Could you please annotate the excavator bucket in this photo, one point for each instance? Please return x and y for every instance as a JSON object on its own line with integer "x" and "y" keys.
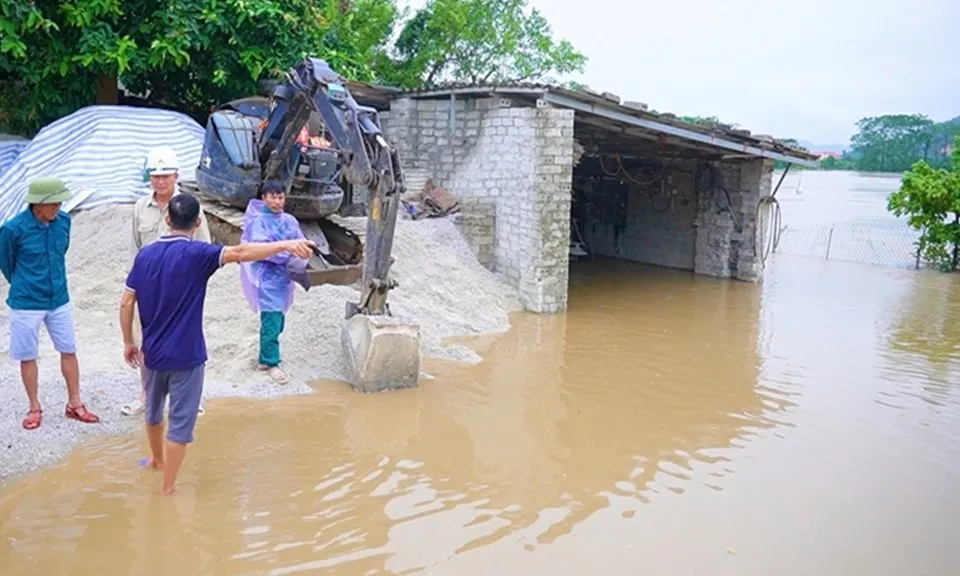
{"x": 383, "y": 352}
{"x": 340, "y": 258}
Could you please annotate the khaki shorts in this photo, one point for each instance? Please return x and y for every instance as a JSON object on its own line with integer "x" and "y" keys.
{"x": 137, "y": 331}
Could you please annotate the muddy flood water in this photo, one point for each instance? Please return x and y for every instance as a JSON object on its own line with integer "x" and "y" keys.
{"x": 666, "y": 425}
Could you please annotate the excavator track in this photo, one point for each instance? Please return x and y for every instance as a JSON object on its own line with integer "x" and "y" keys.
{"x": 339, "y": 239}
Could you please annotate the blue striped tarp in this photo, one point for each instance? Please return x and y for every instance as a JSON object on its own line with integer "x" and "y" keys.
{"x": 9, "y": 150}
{"x": 99, "y": 152}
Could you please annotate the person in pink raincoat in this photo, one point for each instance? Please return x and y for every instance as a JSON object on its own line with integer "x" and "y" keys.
{"x": 267, "y": 284}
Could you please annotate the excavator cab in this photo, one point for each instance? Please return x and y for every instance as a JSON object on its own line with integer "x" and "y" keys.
{"x": 230, "y": 173}
{"x": 230, "y": 167}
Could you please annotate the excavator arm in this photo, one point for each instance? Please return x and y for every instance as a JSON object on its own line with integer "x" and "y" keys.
{"x": 251, "y": 140}
{"x": 367, "y": 160}
{"x": 383, "y": 351}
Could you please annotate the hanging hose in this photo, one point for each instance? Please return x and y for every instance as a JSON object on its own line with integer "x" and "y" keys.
{"x": 769, "y": 206}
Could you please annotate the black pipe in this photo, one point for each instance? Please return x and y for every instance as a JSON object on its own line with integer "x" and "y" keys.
{"x": 782, "y": 176}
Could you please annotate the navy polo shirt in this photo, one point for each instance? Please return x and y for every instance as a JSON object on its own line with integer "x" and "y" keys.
{"x": 170, "y": 279}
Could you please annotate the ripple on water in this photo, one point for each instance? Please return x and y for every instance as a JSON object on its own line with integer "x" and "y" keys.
{"x": 661, "y": 409}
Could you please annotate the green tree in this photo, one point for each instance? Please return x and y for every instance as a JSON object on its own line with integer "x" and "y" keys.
{"x": 893, "y": 142}
{"x": 187, "y": 54}
{"x": 576, "y": 86}
{"x": 930, "y": 199}
{"x": 479, "y": 41}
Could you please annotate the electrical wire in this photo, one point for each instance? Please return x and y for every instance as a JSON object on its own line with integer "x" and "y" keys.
{"x": 621, "y": 171}
{"x": 768, "y": 213}
{"x": 716, "y": 183}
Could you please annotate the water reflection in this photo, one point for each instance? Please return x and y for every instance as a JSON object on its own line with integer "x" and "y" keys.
{"x": 929, "y": 323}
{"x": 667, "y": 424}
{"x": 924, "y": 336}
{"x": 641, "y": 391}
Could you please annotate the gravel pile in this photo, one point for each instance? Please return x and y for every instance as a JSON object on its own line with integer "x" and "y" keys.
{"x": 441, "y": 285}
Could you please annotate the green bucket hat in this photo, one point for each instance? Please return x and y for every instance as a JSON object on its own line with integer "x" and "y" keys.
{"x": 48, "y": 190}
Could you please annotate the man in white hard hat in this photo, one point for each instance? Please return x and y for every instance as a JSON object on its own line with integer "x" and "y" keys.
{"x": 149, "y": 223}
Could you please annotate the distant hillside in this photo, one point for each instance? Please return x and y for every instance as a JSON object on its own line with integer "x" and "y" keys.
{"x": 838, "y": 148}
{"x": 841, "y": 148}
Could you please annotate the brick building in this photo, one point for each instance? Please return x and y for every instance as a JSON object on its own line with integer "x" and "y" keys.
{"x": 639, "y": 186}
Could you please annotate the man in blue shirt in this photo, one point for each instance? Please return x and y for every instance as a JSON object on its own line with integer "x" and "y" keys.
{"x": 168, "y": 284}
{"x": 33, "y": 250}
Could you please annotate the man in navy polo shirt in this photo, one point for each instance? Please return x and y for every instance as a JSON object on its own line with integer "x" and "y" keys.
{"x": 168, "y": 284}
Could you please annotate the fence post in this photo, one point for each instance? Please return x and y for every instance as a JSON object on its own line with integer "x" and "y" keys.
{"x": 829, "y": 242}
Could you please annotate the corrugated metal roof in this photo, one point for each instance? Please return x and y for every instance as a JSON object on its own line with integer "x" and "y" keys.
{"x": 725, "y": 131}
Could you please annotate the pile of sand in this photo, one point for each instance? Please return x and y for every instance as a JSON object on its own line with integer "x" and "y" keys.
{"x": 442, "y": 286}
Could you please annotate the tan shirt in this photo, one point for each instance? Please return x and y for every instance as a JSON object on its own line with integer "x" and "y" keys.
{"x": 149, "y": 223}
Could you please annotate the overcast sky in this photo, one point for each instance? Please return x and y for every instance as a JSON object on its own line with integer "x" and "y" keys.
{"x": 807, "y": 70}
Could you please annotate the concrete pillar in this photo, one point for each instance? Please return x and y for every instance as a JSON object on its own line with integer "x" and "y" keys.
{"x": 544, "y": 275}
{"x": 728, "y": 238}
{"x": 756, "y": 180}
{"x": 400, "y": 127}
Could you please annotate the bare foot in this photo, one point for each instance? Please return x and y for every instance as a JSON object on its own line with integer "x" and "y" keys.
{"x": 165, "y": 491}
{"x": 153, "y": 465}
{"x": 278, "y": 375}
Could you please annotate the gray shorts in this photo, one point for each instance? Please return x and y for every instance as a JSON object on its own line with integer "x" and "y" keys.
{"x": 185, "y": 387}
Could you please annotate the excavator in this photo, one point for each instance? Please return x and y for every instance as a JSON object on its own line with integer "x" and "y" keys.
{"x": 312, "y": 135}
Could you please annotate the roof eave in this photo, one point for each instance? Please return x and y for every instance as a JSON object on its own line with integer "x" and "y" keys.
{"x": 598, "y": 105}
{"x": 611, "y": 112}
{"x": 472, "y": 90}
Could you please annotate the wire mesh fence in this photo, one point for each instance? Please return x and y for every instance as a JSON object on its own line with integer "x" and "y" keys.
{"x": 892, "y": 244}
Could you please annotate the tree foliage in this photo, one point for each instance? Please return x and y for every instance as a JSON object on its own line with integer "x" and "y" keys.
{"x": 930, "y": 199}
{"x": 893, "y": 142}
{"x": 479, "y": 41}
{"x": 192, "y": 54}
{"x": 188, "y": 54}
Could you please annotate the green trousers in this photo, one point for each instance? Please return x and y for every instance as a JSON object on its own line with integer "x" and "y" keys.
{"x": 271, "y": 325}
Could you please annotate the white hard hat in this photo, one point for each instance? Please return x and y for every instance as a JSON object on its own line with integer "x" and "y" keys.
{"x": 162, "y": 160}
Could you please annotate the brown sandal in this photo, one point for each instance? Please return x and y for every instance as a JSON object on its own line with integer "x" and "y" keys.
{"x": 33, "y": 420}
{"x": 81, "y": 413}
